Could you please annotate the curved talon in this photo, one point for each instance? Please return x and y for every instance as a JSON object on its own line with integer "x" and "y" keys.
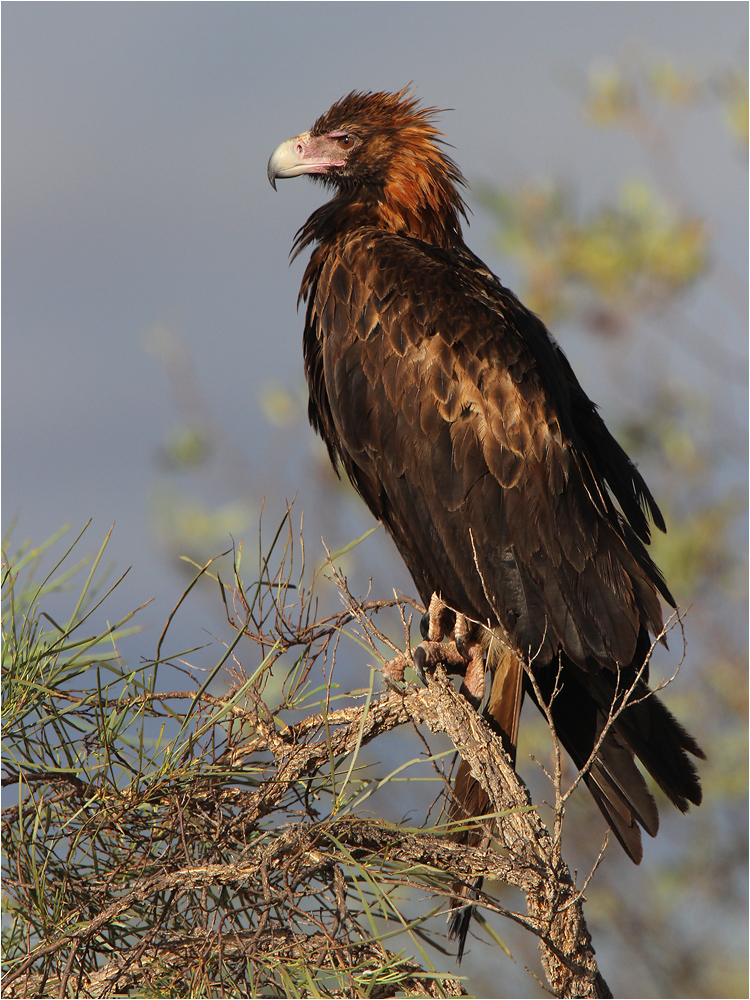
{"x": 419, "y": 658}
{"x": 424, "y": 625}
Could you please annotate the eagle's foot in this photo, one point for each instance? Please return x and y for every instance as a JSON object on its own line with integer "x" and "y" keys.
{"x": 459, "y": 654}
{"x": 429, "y": 654}
{"x": 424, "y": 658}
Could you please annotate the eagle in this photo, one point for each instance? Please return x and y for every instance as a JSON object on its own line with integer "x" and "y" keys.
{"x": 461, "y": 424}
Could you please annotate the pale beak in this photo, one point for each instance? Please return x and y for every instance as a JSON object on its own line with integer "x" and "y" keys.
{"x": 305, "y": 154}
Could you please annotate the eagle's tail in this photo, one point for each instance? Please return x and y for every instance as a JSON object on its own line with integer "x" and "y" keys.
{"x": 645, "y": 730}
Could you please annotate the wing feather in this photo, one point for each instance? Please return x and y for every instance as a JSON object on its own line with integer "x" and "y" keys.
{"x": 440, "y": 403}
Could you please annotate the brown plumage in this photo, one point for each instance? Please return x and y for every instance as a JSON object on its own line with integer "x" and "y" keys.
{"x": 460, "y": 422}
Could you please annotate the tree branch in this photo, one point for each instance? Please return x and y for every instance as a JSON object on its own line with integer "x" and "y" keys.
{"x": 554, "y": 907}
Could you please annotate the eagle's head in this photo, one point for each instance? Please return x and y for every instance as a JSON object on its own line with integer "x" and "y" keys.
{"x": 384, "y": 156}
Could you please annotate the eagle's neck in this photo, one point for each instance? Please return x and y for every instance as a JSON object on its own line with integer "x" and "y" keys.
{"x": 401, "y": 207}
{"x": 417, "y": 199}
{"x": 422, "y": 202}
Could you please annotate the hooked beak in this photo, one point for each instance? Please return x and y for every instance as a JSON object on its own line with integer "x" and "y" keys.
{"x": 305, "y": 154}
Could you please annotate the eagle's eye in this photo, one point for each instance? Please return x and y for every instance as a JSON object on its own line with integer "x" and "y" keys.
{"x": 345, "y": 140}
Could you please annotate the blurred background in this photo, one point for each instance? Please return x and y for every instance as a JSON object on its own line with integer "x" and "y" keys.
{"x": 152, "y": 363}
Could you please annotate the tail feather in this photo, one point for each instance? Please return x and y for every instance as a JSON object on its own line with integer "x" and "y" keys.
{"x": 662, "y": 745}
{"x": 621, "y": 793}
{"x": 645, "y": 730}
{"x": 621, "y": 820}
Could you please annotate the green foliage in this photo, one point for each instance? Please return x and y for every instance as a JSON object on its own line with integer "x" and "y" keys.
{"x": 735, "y": 106}
{"x": 637, "y": 252}
{"x": 37, "y": 658}
{"x": 280, "y": 407}
{"x": 187, "y": 526}
{"x": 181, "y": 843}
{"x": 695, "y": 554}
{"x": 629, "y": 94}
{"x": 640, "y": 248}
